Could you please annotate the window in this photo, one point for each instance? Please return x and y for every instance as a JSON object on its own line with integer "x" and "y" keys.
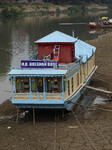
{"x": 22, "y": 84}
{"x": 68, "y": 87}
{"x": 77, "y": 79}
{"x": 80, "y": 76}
{"x": 72, "y": 84}
{"x": 33, "y": 84}
{"x": 54, "y": 85}
{"x": 40, "y": 84}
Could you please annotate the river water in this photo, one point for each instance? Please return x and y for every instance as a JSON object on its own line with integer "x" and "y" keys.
{"x": 17, "y": 38}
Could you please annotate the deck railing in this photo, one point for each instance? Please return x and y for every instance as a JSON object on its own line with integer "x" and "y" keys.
{"x": 34, "y": 57}
{"x": 37, "y": 96}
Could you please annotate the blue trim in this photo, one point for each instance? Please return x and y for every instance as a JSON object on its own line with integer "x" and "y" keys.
{"x": 32, "y": 75}
{"x": 37, "y": 95}
{"x": 76, "y": 65}
{"x": 35, "y": 101}
{"x": 62, "y": 89}
{"x": 76, "y": 71}
{"x": 15, "y": 83}
{"x": 12, "y": 87}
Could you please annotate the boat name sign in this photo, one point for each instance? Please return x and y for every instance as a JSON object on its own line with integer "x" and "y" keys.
{"x": 39, "y": 64}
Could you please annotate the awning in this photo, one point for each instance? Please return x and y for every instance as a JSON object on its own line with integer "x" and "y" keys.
{"x": 37, "y": 72}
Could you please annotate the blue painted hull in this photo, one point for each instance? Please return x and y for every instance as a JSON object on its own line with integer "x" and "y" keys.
{"x": 41, "y": 106}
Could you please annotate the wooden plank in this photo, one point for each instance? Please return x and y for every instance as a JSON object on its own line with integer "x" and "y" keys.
{"x": 100, "y": 90}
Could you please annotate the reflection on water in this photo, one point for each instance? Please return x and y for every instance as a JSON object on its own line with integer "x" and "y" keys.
{"x": 18, "y": 36}
{"x": 99, "y": 31}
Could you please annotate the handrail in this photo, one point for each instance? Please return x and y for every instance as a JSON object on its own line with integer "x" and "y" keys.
{"x": 34, "y": 57}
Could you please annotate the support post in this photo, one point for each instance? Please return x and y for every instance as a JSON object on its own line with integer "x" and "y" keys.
{"x": 12, "y": 87}
{"x": 33, "y": 116}
{"x": 62, "y": 89}
{"x": 37, "y": 95}
{"x": 44, "y": 93}
{"x": 17, "y": 116}
{"x": 30, "y": 94}
{"x": 63, "y": 113}
{"x": 15, "y": 83}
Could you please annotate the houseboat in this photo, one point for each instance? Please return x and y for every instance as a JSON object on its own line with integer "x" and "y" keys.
{"x": 56, "y": 76}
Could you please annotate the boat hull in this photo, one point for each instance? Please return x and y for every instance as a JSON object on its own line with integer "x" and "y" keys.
{"x": 70, "y": 103}
{"x": 94, "y": 25}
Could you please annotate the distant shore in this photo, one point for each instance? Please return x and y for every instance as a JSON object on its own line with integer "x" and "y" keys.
{"x": 39, "y": 9}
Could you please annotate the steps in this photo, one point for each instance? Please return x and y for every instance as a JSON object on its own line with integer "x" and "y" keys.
{"x": 56, "y": 52}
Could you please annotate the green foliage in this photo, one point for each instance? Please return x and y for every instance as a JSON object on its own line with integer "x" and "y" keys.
{"x": 77, "y": 2}
{"x": 45, "y": 6}
{"x": 5, "y": 12}
{"x": 110, "y": 7}
{"x": 74, "y": 8}
{"x": 57, "y": 9}
{"x": 8, "y": 12}
{"x": 94, "y": 9}
{"x": 83, "y": 8}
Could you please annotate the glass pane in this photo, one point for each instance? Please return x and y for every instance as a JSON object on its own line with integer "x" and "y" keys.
{"x": 54, "y": 85}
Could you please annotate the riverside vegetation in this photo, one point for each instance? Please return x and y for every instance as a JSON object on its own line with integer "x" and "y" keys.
{"x": 23, "y": 9}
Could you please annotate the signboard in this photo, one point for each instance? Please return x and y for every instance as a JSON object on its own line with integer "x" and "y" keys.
{"x": 39, "y": 64}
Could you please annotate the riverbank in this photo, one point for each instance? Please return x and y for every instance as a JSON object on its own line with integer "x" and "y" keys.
{"x": 65, "y": 133}
{"x": 40, "y": 9}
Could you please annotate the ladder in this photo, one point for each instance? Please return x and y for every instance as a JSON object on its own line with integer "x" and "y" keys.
{"x": 56, "y": 52}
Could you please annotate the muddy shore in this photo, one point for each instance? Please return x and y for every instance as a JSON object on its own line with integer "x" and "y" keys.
{"x": 54, "y": 132}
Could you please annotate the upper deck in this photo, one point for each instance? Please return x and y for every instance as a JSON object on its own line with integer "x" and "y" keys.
{"x": 60, "y": 70}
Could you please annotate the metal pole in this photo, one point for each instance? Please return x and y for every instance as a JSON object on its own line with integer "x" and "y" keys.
{"x": 62, "y": 89}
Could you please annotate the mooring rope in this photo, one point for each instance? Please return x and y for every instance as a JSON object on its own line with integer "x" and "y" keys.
{"x": 108, "y": 110}
{"x": 98, "y": 129}
{"x": 98, "y": 79}
{"x": 104, "y": 74}
{"x": 94, "y": 121}
{"x": 101, "y": 134}
{"x": 84, "y": 131}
